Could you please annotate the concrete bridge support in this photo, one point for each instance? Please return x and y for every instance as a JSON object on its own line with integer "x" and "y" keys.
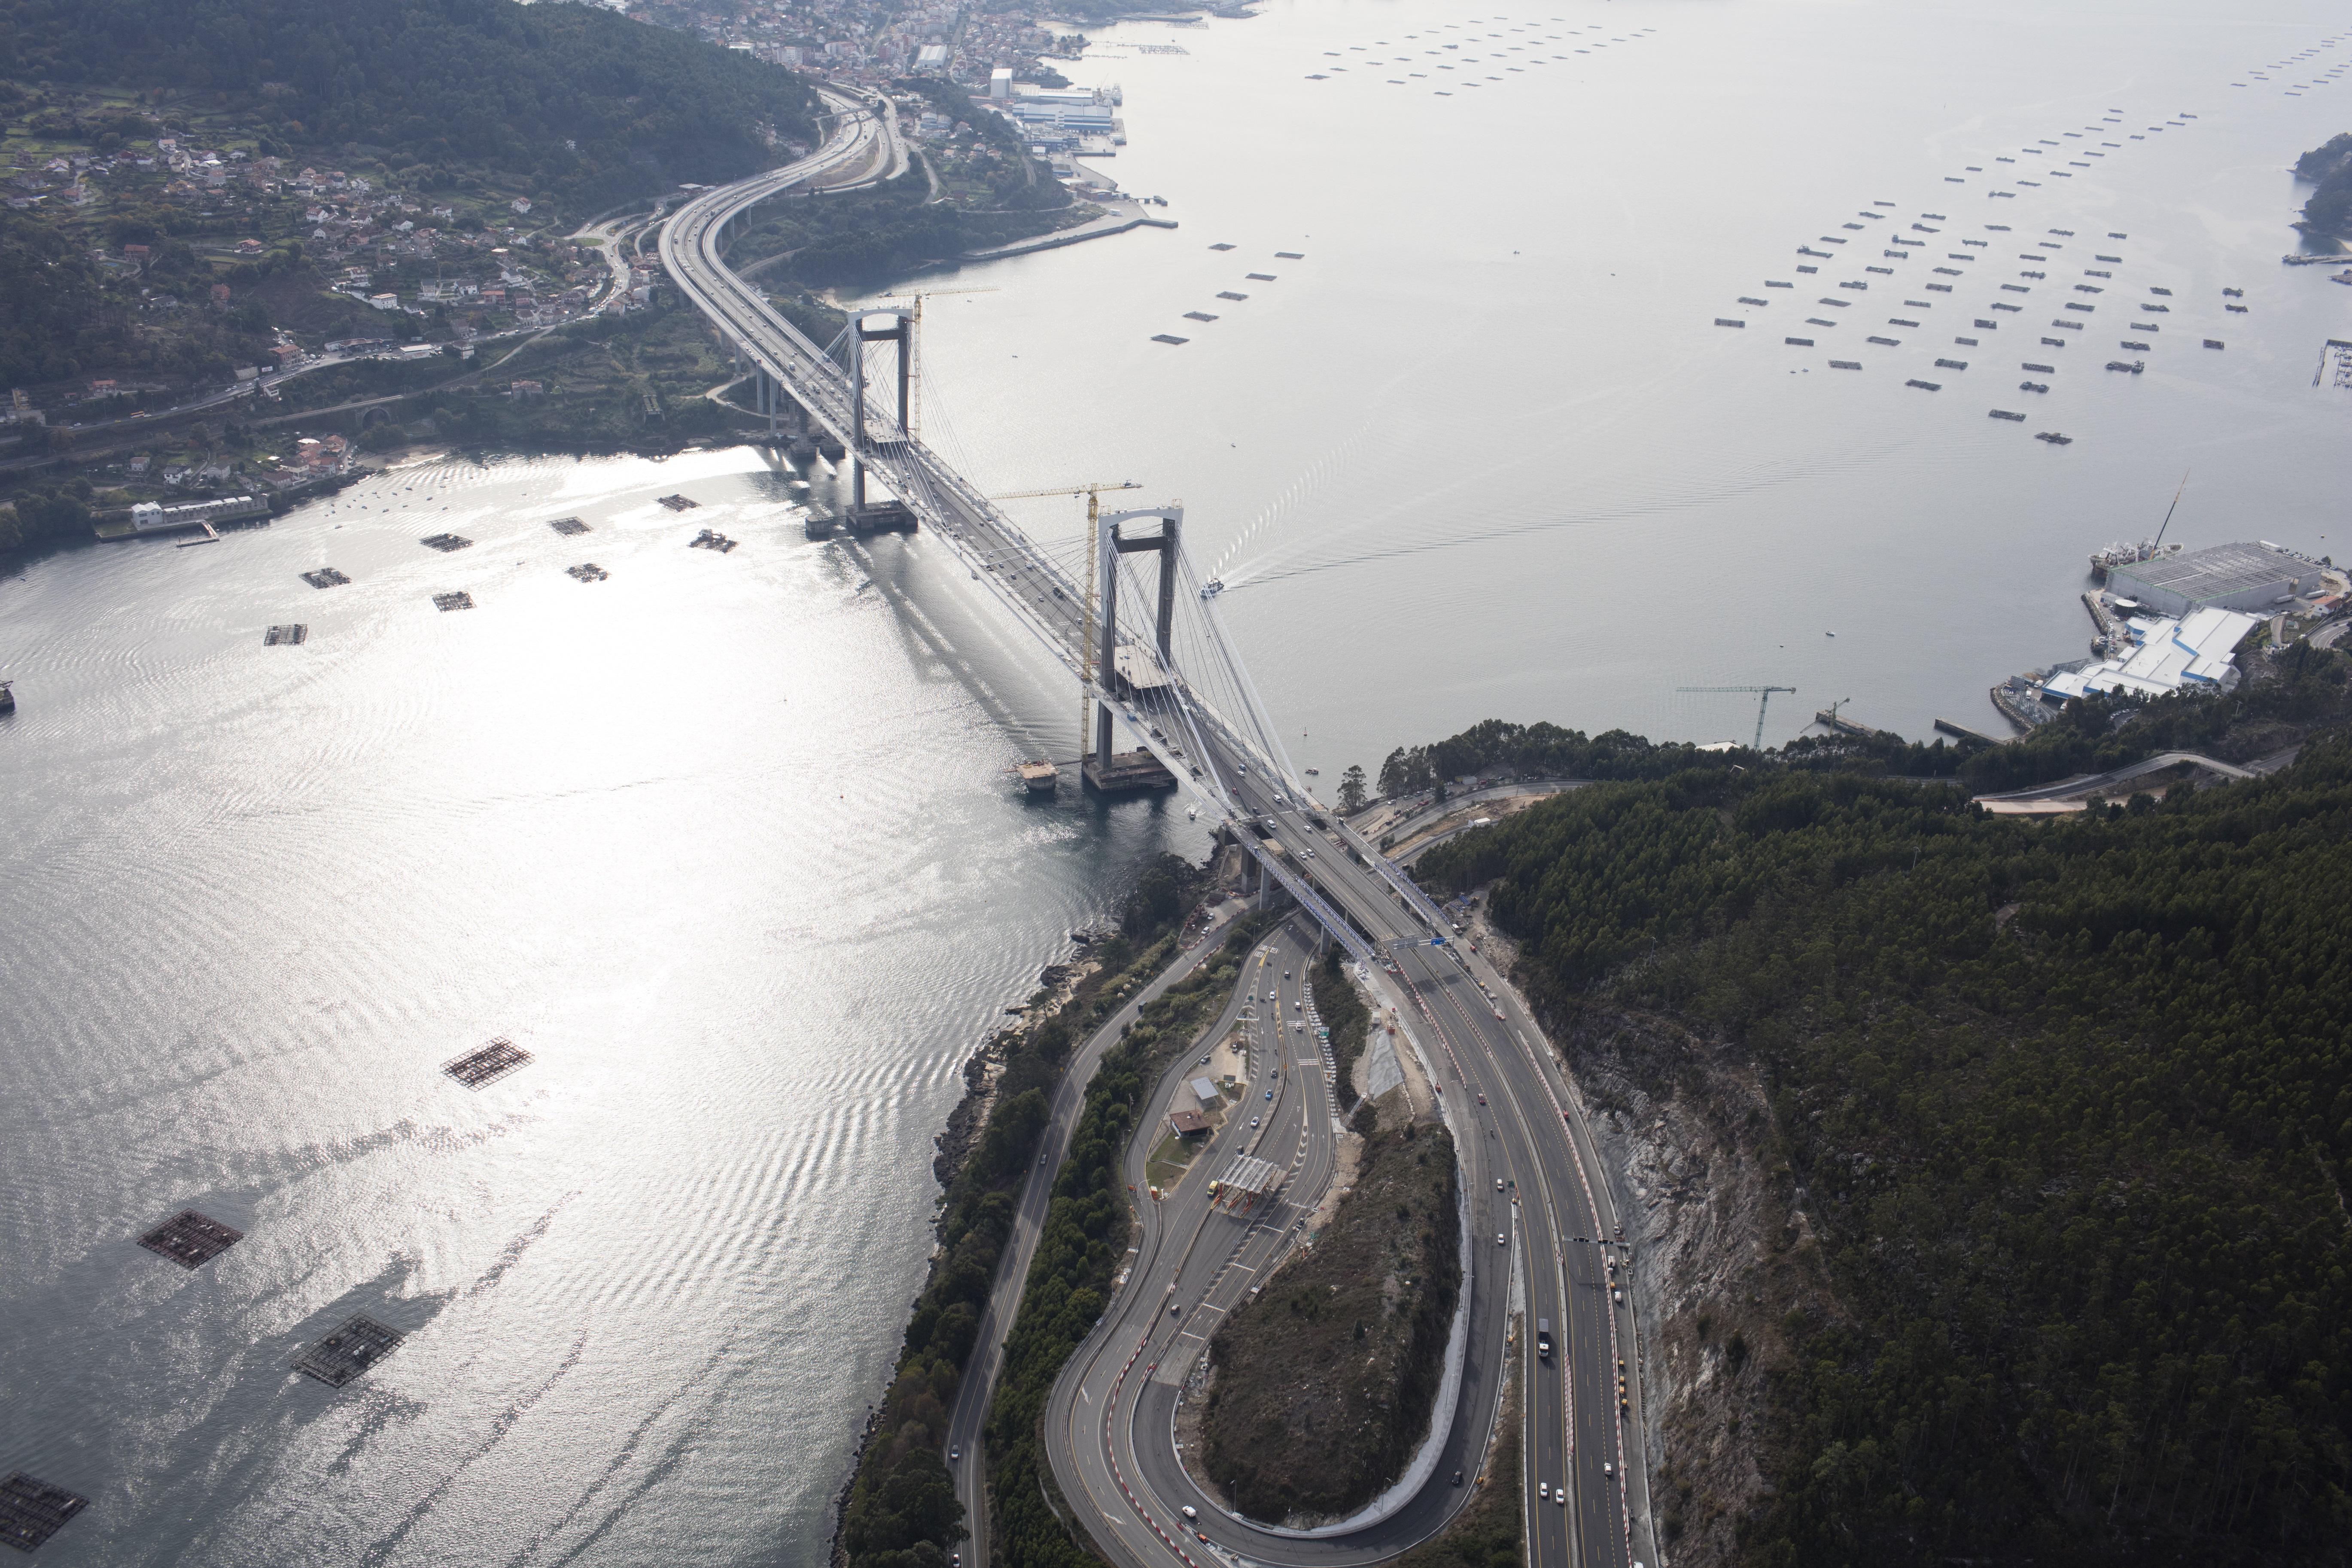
{"x": 1106, "y": 768}
{"x": 900, "y": 332}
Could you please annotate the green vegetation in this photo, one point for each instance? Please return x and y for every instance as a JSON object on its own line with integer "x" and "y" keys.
{"x": 1352, "y": 789}
{"x": 630, "y": 383}
{"x": 1325, "y": 1379}
{"x": 901, "y": 1511}
{"x": 49, "y": 515}
{"x": 2066, "y": 1103}
{"x": 2329, "y": 167}
{"x": 569, "y": 104}
{"x": 866, "y": 238}
{"x": 1343, "y": 1011}
{"x": 58, "y": 314}
{"x": 1547, "y": 751}
{"x": 1069, "y": 1281}
{"x": 1491, "y": 1532}
{"x": 2276, "y": 704}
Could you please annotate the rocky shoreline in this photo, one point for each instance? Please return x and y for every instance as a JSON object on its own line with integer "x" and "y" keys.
{"x": 953, "y": 1147}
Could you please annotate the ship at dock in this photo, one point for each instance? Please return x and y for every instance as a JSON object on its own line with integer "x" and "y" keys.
{"x": 2114, "y": 555}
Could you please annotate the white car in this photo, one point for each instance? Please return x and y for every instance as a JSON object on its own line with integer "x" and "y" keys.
{"x": 1501, "y": 1239}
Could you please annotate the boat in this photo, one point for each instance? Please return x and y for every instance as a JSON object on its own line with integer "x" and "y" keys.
{"x": 1213, "y": 589}
{"x": 2054, "y": 438}
{"x": 2114, "y": 555}
{"x": 1040, "y": 778}
{"x": 1315, "y": 772}
{"x": 8, "y": 698}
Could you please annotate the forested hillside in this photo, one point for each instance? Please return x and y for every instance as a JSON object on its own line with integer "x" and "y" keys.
{"x": 2069, "y": 1105}
{"x": 2328, "y": 167}
{"x": 582, "y": 106}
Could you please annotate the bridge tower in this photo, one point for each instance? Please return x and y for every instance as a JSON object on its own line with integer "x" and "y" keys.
{"x": 1105, "y": 771}
{"x": 900, "y": 332}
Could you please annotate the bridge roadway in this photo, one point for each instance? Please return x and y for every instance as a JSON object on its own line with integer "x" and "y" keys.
{"x": 1528, "y": 1134}
{"x": 1123, "y": 1474}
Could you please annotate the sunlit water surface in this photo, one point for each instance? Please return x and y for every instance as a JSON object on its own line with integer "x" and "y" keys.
{"x": 729, "y": 843}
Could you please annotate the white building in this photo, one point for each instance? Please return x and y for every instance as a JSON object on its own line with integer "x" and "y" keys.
{"x": 2196, "y": 652}
{"x": 2222, "y": 576}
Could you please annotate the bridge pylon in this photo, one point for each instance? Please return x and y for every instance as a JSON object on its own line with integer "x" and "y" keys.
{"x": 1113, "y": 672}
{"x": 885, "y": 515}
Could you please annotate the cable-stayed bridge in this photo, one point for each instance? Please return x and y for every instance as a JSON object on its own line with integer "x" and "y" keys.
{"x": 1146, "y": 646}
{"x": 1150, "y": 653}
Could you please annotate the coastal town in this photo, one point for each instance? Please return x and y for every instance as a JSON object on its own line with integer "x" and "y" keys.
{"x": 254, "y": 285}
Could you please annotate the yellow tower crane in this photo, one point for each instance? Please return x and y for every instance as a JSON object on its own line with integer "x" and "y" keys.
{"x": 1094, "y": 574}
{"x": 915, "y": 345}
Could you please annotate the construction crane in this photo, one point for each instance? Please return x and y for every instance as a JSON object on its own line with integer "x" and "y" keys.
{"x": 1087, "y": 637}
{"x": 915, "y": 348}
{"x": 1763, "y": 697}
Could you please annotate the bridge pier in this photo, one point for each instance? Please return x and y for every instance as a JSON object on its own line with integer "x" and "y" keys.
{"x": 893, "y": 516}
{"x": 1119, "y": 671}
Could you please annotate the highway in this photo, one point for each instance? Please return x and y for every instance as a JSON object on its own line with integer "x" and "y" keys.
{"x": 970, "y": 1411}
{"x": 1109, "y": 1437}
{"x": 1109, "y": 1422}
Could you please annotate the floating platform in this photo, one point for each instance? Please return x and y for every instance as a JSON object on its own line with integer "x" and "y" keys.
{"x": 350, "y": 1350}
{"x": 1221, "y": 246}
{"x": 568, "y": 525}
{"x": 1199, "y": 316}
{"x": 2005, "y": 414}
{"x": 460, "y": 600}
{"x": 1128, "y": 772}
{"x": 1229, "y": 294}
{"x": 1258, "y": 277}
{"x": 708, "y": 540}
{"x": 325, "y": 577}
{"x": 1040, "y": 778}
{"x": 679, "y": 503}
{"x": 191, "y": 1239}
{"x": 586, "y": 572}
{"x": 1290, "y": 255}
{"x": 446, "y": 542}
{"x": 479, "y": 1069}
{"x": 285, "y": 637}
{"x": 1169, "y": 338}
{"x": 32, "y": 1510}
